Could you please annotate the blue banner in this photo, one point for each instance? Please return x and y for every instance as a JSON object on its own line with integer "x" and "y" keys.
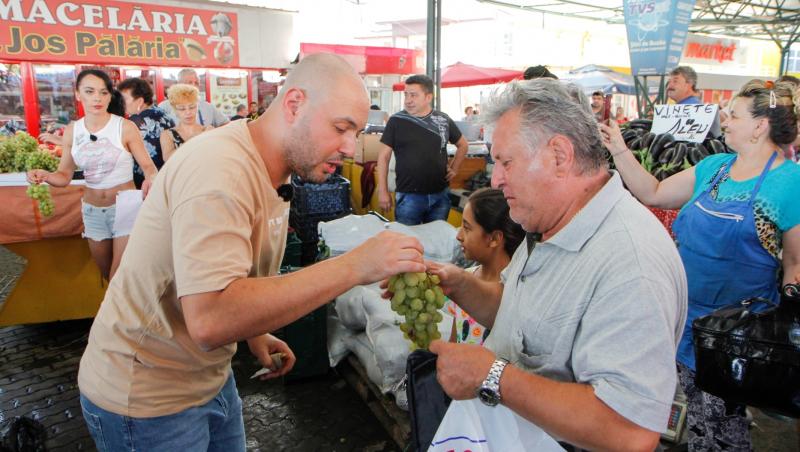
{"x": 656, "y": 33}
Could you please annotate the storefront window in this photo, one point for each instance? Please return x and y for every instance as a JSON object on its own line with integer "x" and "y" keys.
{"x": 228, "y": 90}
{"x": 170, "y": 77}
{"x": 55, "y": 85}
{"x": 265, "y": 87}
{"x": 12, "y": 106}
{"x": 149, "y": 75}
{"x": 793, "y": 61}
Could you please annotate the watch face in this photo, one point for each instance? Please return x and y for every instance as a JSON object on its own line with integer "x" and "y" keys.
{"x": 488, "y": 396}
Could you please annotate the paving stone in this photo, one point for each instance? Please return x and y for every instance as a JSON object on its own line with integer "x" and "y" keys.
{"x": 39, "y": 369}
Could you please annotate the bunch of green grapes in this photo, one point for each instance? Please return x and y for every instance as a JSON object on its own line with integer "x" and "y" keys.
{"x": 418, "y": 297}
{"x": 23, "y": 145}
{"x": 41, "y": 193}
{"x": 40, "y": 160}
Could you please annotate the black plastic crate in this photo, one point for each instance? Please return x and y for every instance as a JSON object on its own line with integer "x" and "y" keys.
{"x": 321, "y": 199}
{"x": 308, "y": 339}
{"x": 305, "y": 225}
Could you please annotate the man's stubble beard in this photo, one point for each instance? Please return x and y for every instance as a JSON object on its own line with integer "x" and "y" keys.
{"x": 301, "y": 153}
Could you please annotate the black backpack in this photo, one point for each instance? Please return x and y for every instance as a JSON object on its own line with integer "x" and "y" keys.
{"x": 24, "y": 435}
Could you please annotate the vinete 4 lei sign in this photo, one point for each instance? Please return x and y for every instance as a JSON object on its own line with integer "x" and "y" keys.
{"x": 685, "y": 122}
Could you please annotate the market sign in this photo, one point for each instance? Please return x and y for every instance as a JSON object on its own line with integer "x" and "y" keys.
{"x": 708, "y": 50}
{"x": 685, "y": 122}
{"x": 117, "y": 32}
{"x": 656, "y": 33}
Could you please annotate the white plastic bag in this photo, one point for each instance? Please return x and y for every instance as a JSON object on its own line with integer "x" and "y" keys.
{"x": 438, "y": 238}
{"x": 350, "y": 306}
{"x": 471, "y": 425}
{"x": 128, "y": 204}
{"x": 337, "y": 340}
{"x": 361, "y": 347}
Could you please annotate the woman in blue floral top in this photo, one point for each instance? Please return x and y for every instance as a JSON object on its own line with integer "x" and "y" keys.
{"x": 150, "y": 119}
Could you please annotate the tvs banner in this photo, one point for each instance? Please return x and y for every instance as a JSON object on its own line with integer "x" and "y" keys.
{"x": 117, "y": 32}
{"x": 656, "y": 33}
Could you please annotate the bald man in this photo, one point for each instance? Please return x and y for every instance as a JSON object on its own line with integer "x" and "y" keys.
{"x": 199, "y": 273}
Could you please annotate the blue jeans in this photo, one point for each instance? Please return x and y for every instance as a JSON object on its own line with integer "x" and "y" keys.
{"x": 415, "y": 208}
{"x": 215, "y": 426}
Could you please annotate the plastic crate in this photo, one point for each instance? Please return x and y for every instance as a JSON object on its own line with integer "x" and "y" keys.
{"x": 305, "y": 225}
{"x": 321, "y": 199}
{"x": 308, "y": 339}
{"x": 292, "y": 255}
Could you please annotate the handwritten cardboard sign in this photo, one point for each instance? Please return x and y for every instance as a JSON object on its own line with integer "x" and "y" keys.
{"x": 685, "y": 122}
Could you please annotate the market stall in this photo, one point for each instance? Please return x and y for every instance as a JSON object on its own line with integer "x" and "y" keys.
{"x": 56, "y": 278}
{"x": 239, "y": 52}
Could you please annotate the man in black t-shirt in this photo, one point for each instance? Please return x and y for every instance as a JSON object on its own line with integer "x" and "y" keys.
{"x": 418, "y": 136}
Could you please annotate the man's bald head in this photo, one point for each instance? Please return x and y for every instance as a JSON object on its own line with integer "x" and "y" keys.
{"x": 320, "y": 74}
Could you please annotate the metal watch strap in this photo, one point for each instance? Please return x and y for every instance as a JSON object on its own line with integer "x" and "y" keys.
{"x": 492, "y": 380}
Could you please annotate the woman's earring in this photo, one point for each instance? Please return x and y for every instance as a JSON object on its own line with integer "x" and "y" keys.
{"x": 754, "y": 140}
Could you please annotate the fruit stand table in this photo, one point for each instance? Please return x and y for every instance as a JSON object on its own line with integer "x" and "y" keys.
{"x": 59, "y": 280}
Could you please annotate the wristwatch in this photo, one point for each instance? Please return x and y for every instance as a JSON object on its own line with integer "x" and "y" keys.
{"x": 489, "y": 391}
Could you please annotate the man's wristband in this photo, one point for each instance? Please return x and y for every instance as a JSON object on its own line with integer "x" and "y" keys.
{"x": 618, "y": 153}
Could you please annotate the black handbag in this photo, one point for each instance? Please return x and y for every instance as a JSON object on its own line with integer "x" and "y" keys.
{"x": 752, "y": 358}
{"x": 427, "y": 401}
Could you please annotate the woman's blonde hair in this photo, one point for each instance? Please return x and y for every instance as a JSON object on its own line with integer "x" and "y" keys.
{"x": 779, "y": 103}
{"x": 180, "y": 93}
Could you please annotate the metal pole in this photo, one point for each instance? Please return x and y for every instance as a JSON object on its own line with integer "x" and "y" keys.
{"x": 430, "y": 43}
{"x": 437, "y": 82}
{"x": 433, "y": 47}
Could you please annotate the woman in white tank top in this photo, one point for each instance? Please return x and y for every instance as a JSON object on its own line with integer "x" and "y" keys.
{"x": 103, "y": 144}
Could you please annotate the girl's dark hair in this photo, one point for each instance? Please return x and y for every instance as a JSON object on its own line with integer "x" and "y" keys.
{"x": 139, "y": 88}
{"x": 117, "y": 104}
{"x": 492, "y": 213}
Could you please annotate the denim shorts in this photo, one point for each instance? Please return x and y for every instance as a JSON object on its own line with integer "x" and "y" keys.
{"x": 98, "y": 222}
{"x": 415, "y": 208}
{"x": 215, "y": 426}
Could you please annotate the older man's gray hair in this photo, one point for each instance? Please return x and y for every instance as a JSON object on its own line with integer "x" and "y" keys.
{"x": 549, "y": 108}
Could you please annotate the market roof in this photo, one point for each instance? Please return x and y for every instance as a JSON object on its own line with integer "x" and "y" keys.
{"x": 774, "y": 20}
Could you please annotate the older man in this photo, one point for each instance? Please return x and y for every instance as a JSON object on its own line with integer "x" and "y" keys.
{"x": 199, "y": 273}
{"x": 207, "y": 114}
{"x": 587, "y": 317}
{"x": 682, "y": 85}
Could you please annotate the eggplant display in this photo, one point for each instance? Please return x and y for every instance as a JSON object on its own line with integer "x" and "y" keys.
{"x": 660, "y": 154}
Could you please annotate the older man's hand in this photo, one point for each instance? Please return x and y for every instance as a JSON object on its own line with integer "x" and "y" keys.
{"x": 461, "y": 368}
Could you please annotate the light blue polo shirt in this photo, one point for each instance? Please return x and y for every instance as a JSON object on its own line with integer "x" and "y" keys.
{"x": 603, "y": 302}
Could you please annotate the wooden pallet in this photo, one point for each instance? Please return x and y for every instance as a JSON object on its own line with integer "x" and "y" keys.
{"x": 394, "y": 420}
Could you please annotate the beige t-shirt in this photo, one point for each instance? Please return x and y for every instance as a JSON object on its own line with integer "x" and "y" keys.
{"x": 212, "y": 217}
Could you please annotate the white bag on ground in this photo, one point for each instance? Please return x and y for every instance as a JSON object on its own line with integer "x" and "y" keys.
{"x": 361, "y": 347}
{"x": 350, "y": 306}
{"x": 471, "y": 425}
{"x": 337, "y": 339}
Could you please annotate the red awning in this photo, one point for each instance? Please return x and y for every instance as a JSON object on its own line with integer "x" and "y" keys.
{"x": 461, "y": 74}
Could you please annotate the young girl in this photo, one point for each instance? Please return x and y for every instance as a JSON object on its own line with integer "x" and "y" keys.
{"x": 103, "y": 144}
{"x": 489, "y": 237}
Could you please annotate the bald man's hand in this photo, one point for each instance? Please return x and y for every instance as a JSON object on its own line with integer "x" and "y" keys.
{"x": 385, "y": 255}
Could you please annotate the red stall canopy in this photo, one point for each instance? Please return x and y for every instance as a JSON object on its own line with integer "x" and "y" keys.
{"x": 461, "y": 74}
